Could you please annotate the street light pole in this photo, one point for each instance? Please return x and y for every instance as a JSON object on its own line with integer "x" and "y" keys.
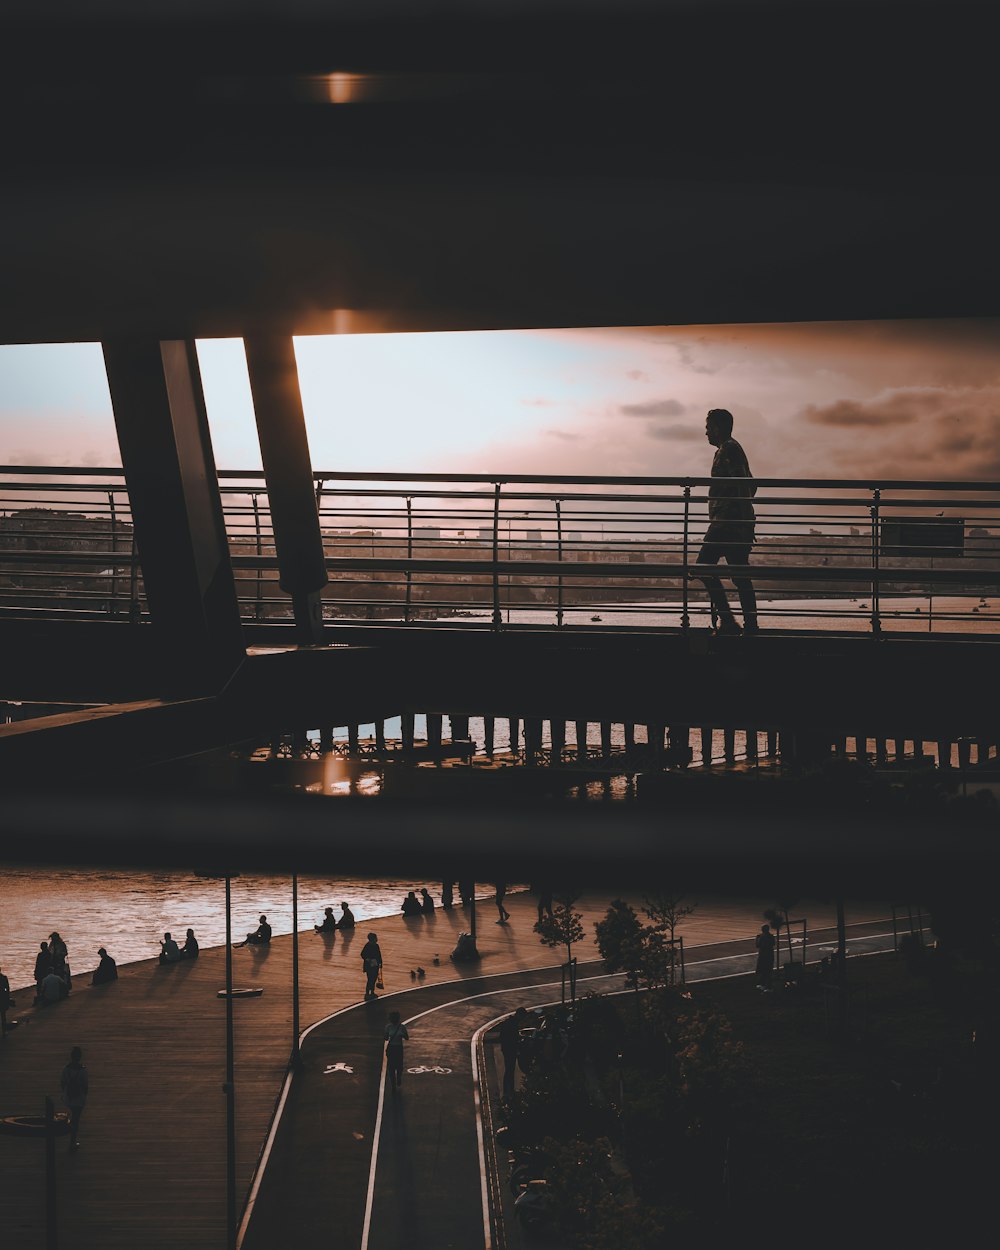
{"x": 295, "y": 1060}
{"x": 230, "y": 1086}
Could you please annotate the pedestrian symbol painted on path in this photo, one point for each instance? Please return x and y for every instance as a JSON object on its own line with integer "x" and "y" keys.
{"x": 423, "y": 1068}
{"x": 337, "y": 1067}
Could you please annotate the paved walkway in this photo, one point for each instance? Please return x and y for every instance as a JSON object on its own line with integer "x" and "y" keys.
{"x": 151, "y": 1168}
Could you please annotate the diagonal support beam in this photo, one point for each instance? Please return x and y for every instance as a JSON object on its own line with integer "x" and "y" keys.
{"x": 180, "y": 530}
{"x": 284, "y": 450}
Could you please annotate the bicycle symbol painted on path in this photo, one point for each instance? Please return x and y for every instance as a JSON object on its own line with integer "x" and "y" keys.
{"x": 418, "y": 1071}
{"x": 338, "y": 1067}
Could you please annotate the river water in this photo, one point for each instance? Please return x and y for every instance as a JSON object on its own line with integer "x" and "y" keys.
{"x": 128, "y": 912}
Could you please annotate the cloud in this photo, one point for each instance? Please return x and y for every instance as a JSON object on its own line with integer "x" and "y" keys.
{"x": 895, "y": 408}
{"x": 675, "y": 433}
{"x": 637, "y": 375}
{"x": 564, "y": 435}
{"x": 654, "y": 408}
{"x": 687, "y": 360}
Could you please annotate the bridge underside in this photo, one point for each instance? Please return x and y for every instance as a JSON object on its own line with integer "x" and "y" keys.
{"x": 830, "y": 685}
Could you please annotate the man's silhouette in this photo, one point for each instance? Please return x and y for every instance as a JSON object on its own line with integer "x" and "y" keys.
{"x": 730, "y": 523}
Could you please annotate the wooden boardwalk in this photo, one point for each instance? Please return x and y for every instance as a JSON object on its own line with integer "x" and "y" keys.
{"x": 151, "y": 1168}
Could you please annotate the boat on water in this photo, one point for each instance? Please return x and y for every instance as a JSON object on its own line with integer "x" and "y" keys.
{"x": 595, "y": 618}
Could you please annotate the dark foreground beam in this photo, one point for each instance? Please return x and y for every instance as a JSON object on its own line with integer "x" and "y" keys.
{"x": 177, "y": 512}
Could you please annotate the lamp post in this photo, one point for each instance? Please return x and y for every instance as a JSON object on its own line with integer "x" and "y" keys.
{"x": 295, "y": 1059}
{"x": 229, "y": 1088}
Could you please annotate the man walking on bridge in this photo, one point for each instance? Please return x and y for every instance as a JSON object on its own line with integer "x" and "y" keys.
{"x": 731, "y": 518}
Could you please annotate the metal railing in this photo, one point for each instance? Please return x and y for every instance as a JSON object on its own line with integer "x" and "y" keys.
{"x": 522, "y": 551}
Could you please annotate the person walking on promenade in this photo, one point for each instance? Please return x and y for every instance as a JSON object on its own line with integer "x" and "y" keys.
{"x": 5, "y": 1003}
{"x": 466, "y": 890}
{"x": 43, "y": 966}
{"x": 190, "y": 949}
{"x": 329, "y": 924}
{"x": 510, "y": 1040}
{"x": 75, "y": 1087}
{"x": 545, "y": 900}
{"x": 395, "y": 1036}
{"x": 426, "y": 902}
{"x": 106, "y": 971}
{"x": 764, "y": 941}
{"x": 501, "y": 889}
{"x": 347, "y": 917}
{"x": 261, "y": 936}
{"x": 447, "y": 894}
{"x": 371, "y": 962}
{"x": 730, "y": 533}
{"x": 169, "y": 950}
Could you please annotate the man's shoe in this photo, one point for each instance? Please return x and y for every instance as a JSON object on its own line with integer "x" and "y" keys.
{"x": 727, "y": 629}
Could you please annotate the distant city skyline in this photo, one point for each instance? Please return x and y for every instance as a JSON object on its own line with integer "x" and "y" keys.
{"x": 914, "y": 399}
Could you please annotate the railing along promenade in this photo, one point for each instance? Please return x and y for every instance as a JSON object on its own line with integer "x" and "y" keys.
{"x": 518, "y": 550}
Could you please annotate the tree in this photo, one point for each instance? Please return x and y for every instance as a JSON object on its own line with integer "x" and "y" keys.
{"x": 563, "y": 928}
{"x": 620, "y": 940}
{"x": 666, "y": 911}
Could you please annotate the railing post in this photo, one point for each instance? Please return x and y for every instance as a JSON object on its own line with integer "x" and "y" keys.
{"x": 685, "y": 618}
{"x": 258, "y": 607}
{"x": 409, "y": 556}
{"x": 133, "y": 583}
{"x": 112, "y": 605}
{"x": 497, "y": 618}
{"x": 559, "y": 556}
{"x": 876, "y": 501}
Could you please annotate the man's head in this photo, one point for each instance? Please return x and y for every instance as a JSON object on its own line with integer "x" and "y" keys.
{"x": 76, "y": 1054}
{"x": 263, "y": 920}
{"x": 166, "y": 937}
{"x": 101, "y": 951}
{"x": 718, "y": 426}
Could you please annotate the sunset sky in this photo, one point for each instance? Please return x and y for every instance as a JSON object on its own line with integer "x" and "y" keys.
{"x": 893, "y": 399}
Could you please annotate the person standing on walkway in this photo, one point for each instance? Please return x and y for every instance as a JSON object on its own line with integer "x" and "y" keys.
{"x": 730, "y": 534}
{"x": 43, "y": 966}
{"x": 395, "y": 1036}
{"x": 371, "y": 962}
{"x": 501, "y": 889}
{"x": 447, "y": 894}
{"x": 764, "y": 941}
{"x": 510, "y": 1040}
{"x": 75, "y": 1087}
{"x": 5, "y": 1002}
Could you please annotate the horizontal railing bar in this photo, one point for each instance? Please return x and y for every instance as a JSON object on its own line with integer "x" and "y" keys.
{"x": 536, "y": 478}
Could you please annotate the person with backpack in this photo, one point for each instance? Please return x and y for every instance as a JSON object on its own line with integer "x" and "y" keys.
{"x": 75, "y": 1087}
{"x": 371, "y": 962}
{"x": 395, "y": 1036}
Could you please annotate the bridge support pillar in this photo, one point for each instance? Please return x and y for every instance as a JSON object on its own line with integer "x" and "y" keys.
{"x": 752, "y": 751}
{"x": 706, "y": 746}
{"x": 532, "y": 738}
{"x": 605, "y": 739}
{"x": 435, "y": 722}
{"x": 943, "y": 753}
{"x": 772, "y": 744}
{"x": 284, "y": 450}
{"x": 459, "y": 727}
{"x": 326, "y": 738}
{"x": 861, "y": 747}
{"x": 489, "y": 727}
{"x": 581, "y": 739}
{"x": 629, "y": 728}
{"x": 729, "y": 746}
{"x": 352, "y": 737}
{"x": 180, "y": 531}
{"x": 406, "y": 731}
{"x": 380, "y": 737}
{"x": 557, "y": 735}
{"x": 515, "y": 734}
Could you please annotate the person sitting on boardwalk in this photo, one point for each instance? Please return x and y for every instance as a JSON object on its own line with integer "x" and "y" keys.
{"x": 75, "y": 1087}
{"x": 170, "y": 952}
{"x": 730, "y": 533}
{"x": 426, "y": 902}
{"x": 260, "y": 936}
{"x": 371, "y": 962}
{"x": 106, "y": 971}
{"x": 395, "y": 1036}
{"x": 411, "y": 905}
{"x": 347, "y": 918}
{"x": 190, "y": 949}
{"x": 329, "y": 924}
{"x": 53, "y": 989}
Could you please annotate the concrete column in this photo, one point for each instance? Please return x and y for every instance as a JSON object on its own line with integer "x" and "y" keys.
{"x": 581, "y": 739}
{"x": 435, "y": 723}
{"x": 489, "y": 726}
{"x": 706, "y": 745}
{"x": 605, "y": 738}
{"x": 406, "y": 732}
{"x": 729, "y": 745}
{"x": 557, "y": 733}
{"x": 459, "y": 727}
{"x": 291, "y": 492}
{"x": 380, "y": 736}
{"x": 752, "y": 750}
{"x": 352, "y": 738}
{"x": 515, "y": 733}
{"x": 180, "y": 530}
{"x": 326, "y": 738}
{"x": 532, "y": 737}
